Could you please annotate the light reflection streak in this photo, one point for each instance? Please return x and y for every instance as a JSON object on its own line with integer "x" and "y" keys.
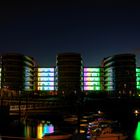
{"x": 41, "y": 129}
{"x": 137, "y": 132}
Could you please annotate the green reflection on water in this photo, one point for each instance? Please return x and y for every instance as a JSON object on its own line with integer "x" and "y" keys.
{"x": 137, "y": 132}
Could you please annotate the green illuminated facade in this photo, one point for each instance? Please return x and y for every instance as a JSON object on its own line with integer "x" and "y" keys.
{"x": 138, "y": 78}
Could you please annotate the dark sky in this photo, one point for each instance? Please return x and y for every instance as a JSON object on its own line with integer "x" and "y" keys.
{"x": 44, "y": 29}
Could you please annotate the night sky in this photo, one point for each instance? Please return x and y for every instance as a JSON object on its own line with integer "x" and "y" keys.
{"x": 44, "y": 29}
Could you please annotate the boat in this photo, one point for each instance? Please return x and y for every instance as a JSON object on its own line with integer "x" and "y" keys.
{"x": 104, "y": 130}
{"x": 107, "y": 134}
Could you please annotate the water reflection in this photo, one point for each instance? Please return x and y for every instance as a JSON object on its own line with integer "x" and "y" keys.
{"x": 137, "y": 132}
{"x": 38, "y": 130}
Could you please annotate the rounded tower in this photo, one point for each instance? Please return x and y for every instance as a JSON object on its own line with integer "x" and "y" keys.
{"x": 69, "y": 69}
{"x": 17, "y": 72}
{"x": 120, "y": 74}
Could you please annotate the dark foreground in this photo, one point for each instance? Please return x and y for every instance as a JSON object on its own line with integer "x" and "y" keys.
{"x": 119, "y": 109}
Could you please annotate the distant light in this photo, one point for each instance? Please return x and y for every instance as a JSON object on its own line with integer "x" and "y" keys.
{"x": 82, "y": 131}
{"x": 136, "y": 112}
{"x": 85, "y": 117}
{"x": 84, "y": 125}
{"x": 83, "y": 120}
{"x": 99, "y": 111}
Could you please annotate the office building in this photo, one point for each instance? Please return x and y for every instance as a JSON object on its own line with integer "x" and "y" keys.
{"x": 138, "y": 80}
{"x": 117, "y": 75}
{"x": 120, "y": 74}
{"x": 17, "y": 72}
{"x": 92, "y": 79}
{"x": 46, "y": 77}
{"x": 69, "y": 72}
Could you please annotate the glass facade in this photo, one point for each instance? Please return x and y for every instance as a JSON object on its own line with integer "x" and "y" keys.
{"x": 92, "y": 79}
{"x": 17, "y": 72}
{"x": 46, "y": 79}
{"x": 109, "y": 78}
{"x": 29, "y": 80}
{"x": 138, "y": 78}
{"x": 120, "y": 75}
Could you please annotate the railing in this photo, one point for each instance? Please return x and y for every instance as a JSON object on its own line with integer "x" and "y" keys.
{"x": 23, "y": 107}
{"x": 35, "y": 106}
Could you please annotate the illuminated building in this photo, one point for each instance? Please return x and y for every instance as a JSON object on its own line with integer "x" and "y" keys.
{"x": 69, "y": 72}
{"x": 92, "y": 79}
{"x": 120, "y": 74}
{"x": 138, "y": 80}
{"x": 46, "y": 79}
{"x": 17, "y": 72}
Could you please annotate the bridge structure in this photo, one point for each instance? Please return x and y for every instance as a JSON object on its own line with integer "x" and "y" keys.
{"x": 27, "y": 106}
{"x": 24, "y": 106}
